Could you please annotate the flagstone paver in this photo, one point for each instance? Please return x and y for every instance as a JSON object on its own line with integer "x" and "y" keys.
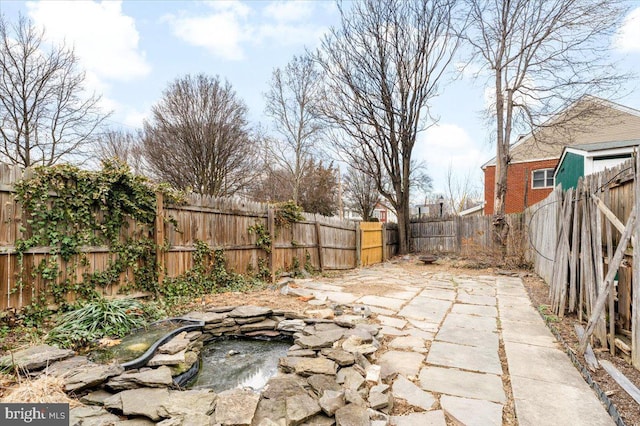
{"x": 392, "y": 322}
{"x": 412, "y": 343}
{"x": 473, "y": 358}
{"x": 467, "y": 384}
{"x": 478, "y": 310}
{"x": 442, "y": 334}
{"x": 384, "y": 302}
{"x": 429, "y": 418}
{"x": 472, "y": 412}
{"x": 401, "y": 362}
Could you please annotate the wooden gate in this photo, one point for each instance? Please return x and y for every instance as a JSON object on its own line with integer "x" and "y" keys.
{"x": 372, "y": 242}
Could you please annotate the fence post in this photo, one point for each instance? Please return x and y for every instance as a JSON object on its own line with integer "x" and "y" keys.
{"x": 319, "y": 239}
{"x": 635, "y": 281}
{"x": 358, "y": 245}
{"x": 384, "y": 241}
{"x": 159, "y": 237}
{"x": 271, "y": 227}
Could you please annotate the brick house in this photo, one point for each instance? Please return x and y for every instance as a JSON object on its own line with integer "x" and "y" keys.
{"x": 530, "y": 175}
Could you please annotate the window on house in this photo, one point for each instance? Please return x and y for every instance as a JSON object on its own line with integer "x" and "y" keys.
{"x": 542, "y": 178}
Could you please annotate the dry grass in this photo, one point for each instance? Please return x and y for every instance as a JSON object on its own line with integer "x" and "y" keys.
{"x": 44, "y": 389}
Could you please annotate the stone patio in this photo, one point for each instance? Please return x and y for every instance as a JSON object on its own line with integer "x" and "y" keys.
{"x": 429, "y": 340}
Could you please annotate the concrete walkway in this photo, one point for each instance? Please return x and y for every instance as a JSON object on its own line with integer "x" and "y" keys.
{"x": 445, "y": 333}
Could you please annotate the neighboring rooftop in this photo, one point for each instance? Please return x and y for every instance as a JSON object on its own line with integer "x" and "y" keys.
{"x": 602, "y": 146}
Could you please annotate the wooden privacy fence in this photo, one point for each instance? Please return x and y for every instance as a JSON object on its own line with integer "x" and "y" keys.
{"x": 464, "y": 235}
{"x": 320, "y": 242}
{"x": 575, "y": 246}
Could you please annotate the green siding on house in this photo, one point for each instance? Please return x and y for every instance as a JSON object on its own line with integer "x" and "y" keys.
{"x": 570, "y": 170}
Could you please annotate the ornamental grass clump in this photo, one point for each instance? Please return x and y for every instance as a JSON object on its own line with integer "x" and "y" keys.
{"x": 96, "y": 319}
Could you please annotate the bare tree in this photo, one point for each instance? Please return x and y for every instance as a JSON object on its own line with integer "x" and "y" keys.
{"x": 45, "y": 114}
{"x": 290, "y": 103}
{"x": 198, "y": 137}
{"x": 318, "y": 189}
{"x": 380, "y": 68}
{"x": 122, "y": 145}
{"x": 461, "y": 192}
{"x": 362, "y": 192}
{"x": 543, "y": 56}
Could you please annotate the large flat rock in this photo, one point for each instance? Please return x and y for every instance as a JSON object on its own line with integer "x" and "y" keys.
{"x": 470, "y": 321}
{"x": 250, "y": 311}
{"x": 383, "y": 302}
{"x": 429, "y": 418}
{"x": 475, "y": 299}
{"x": 467, "y": 384}
{"x": 207, "y": 317}
{"x": 544, "y": 403}
{"x": 411, "y": 343}
{"x": 145, "y": 402}
{"x": 152, "y": 378}
{"x": 478, "y": 310}
{"x": 472, "y": 412}
{"x": 236, "y": 407}
{"x": 309, "y": 366}
{"x": 404, "y": 389}
{"x": 89, "y": 376}
{"x": 551, "y": 364}
{"x": 189, "y": 402}
{"x": 391, "y": 321}
{"x": 35, "y": 357}
{"x": 406, "y": 363}
{"x": 438, "y": 293}
{"x": 91, "y": 415}
{"x": 352, "y": 415}
{"x": 469, "y": 337}
{"x": 473, "y": 358}
{"x": 424, "y": 309}
{"x": 301, "y": 407}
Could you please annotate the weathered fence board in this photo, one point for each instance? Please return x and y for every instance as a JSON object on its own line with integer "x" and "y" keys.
{"x": 222, "y": 223}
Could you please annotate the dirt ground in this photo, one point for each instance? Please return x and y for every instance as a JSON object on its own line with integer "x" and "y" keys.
{"x": 538, "y": 292}
{"x": 627, "y": 407}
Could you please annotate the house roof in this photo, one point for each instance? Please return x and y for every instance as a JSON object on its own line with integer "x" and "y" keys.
{"x": 604, "y": 121}
{"x": 604, "y": 146}
{"x": 471, "y": 210}
{"x": 598, "y": 147}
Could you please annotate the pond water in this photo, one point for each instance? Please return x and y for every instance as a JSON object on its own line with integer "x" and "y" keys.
{"x": 227, "y": 364}
{"x": 134, "y": 345}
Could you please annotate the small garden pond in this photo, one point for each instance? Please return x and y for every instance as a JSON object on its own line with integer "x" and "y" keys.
{"x": 134, "y": 346}
{"x": 229, "y": 363}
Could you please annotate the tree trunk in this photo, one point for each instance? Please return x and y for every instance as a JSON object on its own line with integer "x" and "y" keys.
{"x": 403, "y": 235}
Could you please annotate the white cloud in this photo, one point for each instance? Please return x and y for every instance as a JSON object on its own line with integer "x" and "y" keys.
{"x": 230, "y": 27}
{"x": 444, "y": 144}
{"x": 288, "y": 11}
{"x": 628, "y": 36}
{"x": 134, "y": 118}
{"x": 221, "y": 32}
{"x": 105, "y": 40}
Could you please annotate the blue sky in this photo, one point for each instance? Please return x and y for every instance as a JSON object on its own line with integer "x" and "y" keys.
{"x": 131, "y": 50}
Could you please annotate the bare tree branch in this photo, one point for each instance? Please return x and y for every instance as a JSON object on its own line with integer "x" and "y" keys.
{"x": 124, "y": 146}
{"x": 380, "y": 68}
{"x": 290, "y": 102}
{"x": 198, "y": 137}
{"x": 362, "y": 192}
{"x": 45, "y": 114}
{"x": 543, "y": 56}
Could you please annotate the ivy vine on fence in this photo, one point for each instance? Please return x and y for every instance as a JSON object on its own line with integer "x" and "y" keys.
{"x": 67, "y": 209}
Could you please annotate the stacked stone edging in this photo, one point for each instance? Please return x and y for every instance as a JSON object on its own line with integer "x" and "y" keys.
{"x": 326, "y": 377}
